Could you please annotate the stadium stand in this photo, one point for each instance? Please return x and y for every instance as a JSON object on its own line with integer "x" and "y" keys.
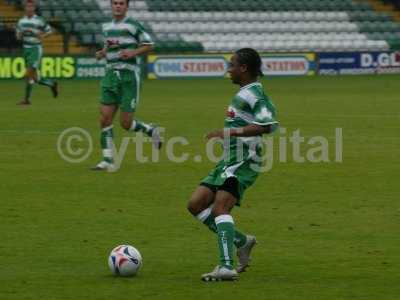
{"x": 59, "y": 42}
{"x": 83, "y": 20}
{"x": 270, "y": 25}
{"x": 224, "y": 25}
{"x": 8, "y": 15}
{"x": 396, "y": 3}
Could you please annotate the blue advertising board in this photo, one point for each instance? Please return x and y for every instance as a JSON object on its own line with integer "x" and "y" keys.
{"x": 342, "y": 63}
{"x": 216, "y": 65}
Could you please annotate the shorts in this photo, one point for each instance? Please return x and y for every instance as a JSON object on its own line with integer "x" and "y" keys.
{"x": 231, "y": 185}
{"x": 121, "y": 88}
{"x": 33, "y": 56}
{"x": 242, "y": 171}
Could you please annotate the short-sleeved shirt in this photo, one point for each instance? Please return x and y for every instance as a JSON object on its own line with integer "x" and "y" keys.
{"x": 243, "y": 155}
{"x": 249, "y": 106}
{"x": 120, "y": 35}
{"x": 29, "y": 27}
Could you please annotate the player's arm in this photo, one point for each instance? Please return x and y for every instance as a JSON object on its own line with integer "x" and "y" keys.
{"x": 263, "y": 123}
{"x": 249, "y": 130}
{"x": 146, "y": 44}
{"x": 18, "y": 32}
{"x": 18, "y": 35}
{"x": 45, "y": 31}
{"x": 101, "y": 53}
{"x": 144, "y": 49}
{"x": 42, "y": 35}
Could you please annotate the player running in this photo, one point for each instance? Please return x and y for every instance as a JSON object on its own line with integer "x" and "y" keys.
{"x": 124, "y": 41}
{"x": 250, "y": 115}
{"x": 31, "y": 30}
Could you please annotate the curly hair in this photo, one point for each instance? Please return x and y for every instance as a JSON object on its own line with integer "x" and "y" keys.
{"x": 250, "y": 58}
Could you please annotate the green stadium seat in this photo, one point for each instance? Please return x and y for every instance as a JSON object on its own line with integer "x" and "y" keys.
{"x": 97, "y": 16}
{"x": 91, "y": 27}
{"x": 72, "y": 15}
{"x": 84, "y": 15}
{"x": 59, "y": 14}
{"x": 79, "y": 27}
{"x": 87, "y": 39}
{"x": 46, "y": 14}
{"x": 98, "y": 40}
{"x": 67, "y": 27}
{"x": 394, "y": 44}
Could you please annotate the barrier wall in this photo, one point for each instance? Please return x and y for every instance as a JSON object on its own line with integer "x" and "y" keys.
{"x": 67, "y": 67}
{"x": 214, "y": 66}
{"x": 359, "y": 63}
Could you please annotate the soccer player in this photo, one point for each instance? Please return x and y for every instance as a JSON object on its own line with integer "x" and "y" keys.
{"x": 250, "y": 115}
{"x": 124, "y": 41}
{"x": 31, "y": 30}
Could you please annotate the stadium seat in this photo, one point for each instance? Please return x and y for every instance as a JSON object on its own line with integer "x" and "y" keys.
{"x": 278, "y": 25}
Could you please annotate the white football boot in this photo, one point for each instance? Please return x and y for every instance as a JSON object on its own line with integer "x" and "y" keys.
{"x": 103, "y": 166}
{"x": 220, "y": 273}
{"x": 156, "y": 138}
{"x": 243, "y": 253}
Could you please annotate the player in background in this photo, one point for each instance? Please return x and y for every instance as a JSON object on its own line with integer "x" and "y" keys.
{"x": 250, "y": 115}
{"x": 31, "y": 30}
{"x": 124, "y": 41}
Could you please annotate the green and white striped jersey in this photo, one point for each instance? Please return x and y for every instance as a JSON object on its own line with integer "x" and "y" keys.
{"x": 249, "y": 106}
{"x": 29, "y": 28}
{"x": 125, "y": 34}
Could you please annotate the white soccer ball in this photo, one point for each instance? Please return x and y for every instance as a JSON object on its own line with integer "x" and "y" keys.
{"x": 125, "y": 261}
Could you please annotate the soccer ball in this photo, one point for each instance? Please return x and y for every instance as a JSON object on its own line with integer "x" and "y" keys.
{"x": 125, "y": 261}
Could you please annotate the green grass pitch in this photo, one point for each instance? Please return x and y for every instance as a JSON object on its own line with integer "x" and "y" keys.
{"x": 325, "y": 230}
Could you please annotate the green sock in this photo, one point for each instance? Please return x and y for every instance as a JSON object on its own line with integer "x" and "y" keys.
{"x": 208, "y": 219}
{"x": 226, "y": 233}
{"x": 106, "y": 137}
{"x": 28, "y": 91}
{"x": 46, "y": 82}
{"x": 141, "y": 126}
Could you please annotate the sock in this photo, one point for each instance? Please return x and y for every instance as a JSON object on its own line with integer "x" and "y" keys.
{"x": 28, "y": 90}
{"x": 226, "y": 232}
{"x": 141, "y": 126}
{"x": 207, "y": 218}
{"x": 46, "y": 82}
{"x": 106, "y": 137}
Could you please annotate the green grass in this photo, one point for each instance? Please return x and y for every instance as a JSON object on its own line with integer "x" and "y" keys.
{"x": 325, "y": 231}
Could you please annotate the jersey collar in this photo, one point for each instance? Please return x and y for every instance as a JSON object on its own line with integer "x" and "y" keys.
{"x": 122, "y": 21}
{"x": 250, "y": 85}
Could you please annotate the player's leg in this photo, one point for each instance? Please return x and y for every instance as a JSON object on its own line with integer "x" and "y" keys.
{"x": 129, "y": 123}
{"x": 226, "y": 197}
{"x": 29, "y": 76}
{"x": 107, "y": 113}
{"x": 223, "y": 204}
{"x": 244, "y": 177}
{"x": 29, "y": 82}
{"x": 130, "y": 95}
{"x": 52, "y": 84}
{"x": 109, "y": 104}
{"x": 37, "y": 53}
{"x": 200, "y": 206}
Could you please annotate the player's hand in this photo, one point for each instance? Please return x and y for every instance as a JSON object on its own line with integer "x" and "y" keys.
{"x": 27, "y": 32}
{"x": 40, "y": 36}
{"x": 100, "y": 54}
{"x": 215, "y": 134}
{"x": 127, "y": 54}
